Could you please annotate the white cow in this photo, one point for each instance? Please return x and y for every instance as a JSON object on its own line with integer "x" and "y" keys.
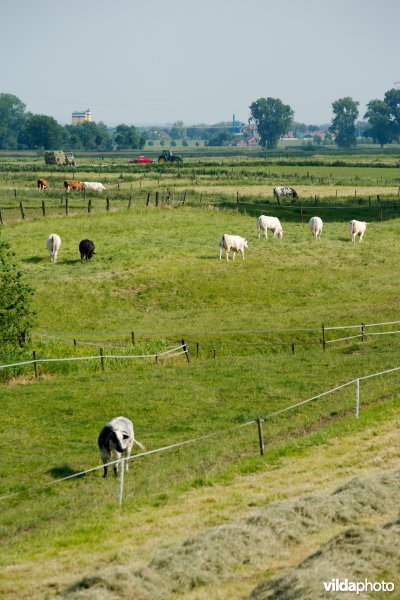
{"x": 272, "y": 223}
{"x": 357, "y": 228}
{"x": 232, "y": 242}
{"x": 94, "y": 186}
{"x": 117, "y": 436}
{"x": 53, "y": 244}
{"x": 316, "y": 226}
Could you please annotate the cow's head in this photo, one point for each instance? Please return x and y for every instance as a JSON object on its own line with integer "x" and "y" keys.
{"x": 120, "y": 439}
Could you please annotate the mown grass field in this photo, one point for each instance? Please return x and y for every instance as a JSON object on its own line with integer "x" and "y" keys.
{"x": 156, "y": 273}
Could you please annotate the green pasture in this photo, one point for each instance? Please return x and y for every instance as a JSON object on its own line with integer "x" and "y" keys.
{"x": 254, "y": 333}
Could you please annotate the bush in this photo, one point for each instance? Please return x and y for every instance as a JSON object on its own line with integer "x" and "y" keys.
{"x": 15, "y": 301}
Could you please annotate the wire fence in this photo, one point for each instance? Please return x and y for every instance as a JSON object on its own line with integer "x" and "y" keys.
{"x": 263, "y": 424}
{"x": 22, "y": 207}
{"x": 289, "y": 337}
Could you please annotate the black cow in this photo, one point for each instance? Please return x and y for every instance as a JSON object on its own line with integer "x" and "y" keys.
{"x": 86, "y": 248}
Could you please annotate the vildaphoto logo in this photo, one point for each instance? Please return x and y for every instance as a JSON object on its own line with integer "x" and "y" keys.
{"x": 344, "y": 585}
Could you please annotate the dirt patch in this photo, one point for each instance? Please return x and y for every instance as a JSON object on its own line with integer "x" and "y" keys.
{"x": 263, "y": 539}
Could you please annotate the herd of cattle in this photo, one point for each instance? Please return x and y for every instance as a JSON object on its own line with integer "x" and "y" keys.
{"x": 237, "y": 244}
{"x": 72, "y": 184}
{"x": 227, "y": 242}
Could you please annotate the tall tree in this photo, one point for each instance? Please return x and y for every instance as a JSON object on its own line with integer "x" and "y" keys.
{"x": 379, "y": 121}
{"x": 12, "y": 116}
{"x": 392, "y": 99}
{"x": 41, "y": 131}
{"x": 126, "y": 137}
{"x": 272, "y": 118}
{"x": 345, "y": 112}
{"x": 15, "y": 301}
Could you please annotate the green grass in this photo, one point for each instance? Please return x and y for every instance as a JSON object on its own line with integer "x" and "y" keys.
{"x": 156, "y": 272}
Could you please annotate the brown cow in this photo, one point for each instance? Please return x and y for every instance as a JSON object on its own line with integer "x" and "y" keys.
{"x": 42, "y": 185}
{"x": 71, "y": 184}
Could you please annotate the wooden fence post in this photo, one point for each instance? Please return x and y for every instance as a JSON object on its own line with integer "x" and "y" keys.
{"x": 186, "y": 351}
{"x": 133, "y": 337}
{"x": 260, "y": 436}
{"x": 43, "y": 208}
{"x": 362, "y": 331}
{"x": 1, "y": 218}
{"x": 102, "y": 359}
{"x": 35, "y": 364}
{"x": 323, "y": 337}
{"x": 21, "y": 208}
{"x": 156, "y": 198}
{"x": 89, "y": 206}
{"x": 66, "y": 205}
{"x": 148, "y": 199}
{"x": 197, "y": 349}
{"x": 107, "y": 203}
{"x": 130, "y": 201}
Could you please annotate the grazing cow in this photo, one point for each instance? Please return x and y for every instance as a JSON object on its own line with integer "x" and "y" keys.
{"x": 71, "y": 184}
{"x": 232, "y": 242}
{"x": 116, "y": 437}
{"x": 264, "y": 223}
{"x": 357, "y": 228}
{"x": 86, "y": 248}
{"x": 42, "y": 185}
{"x": 94, "y": 186}
{"x": 316, "y": 226}
{"x": 284, "y": 191}
{"x": 53, "y": 244}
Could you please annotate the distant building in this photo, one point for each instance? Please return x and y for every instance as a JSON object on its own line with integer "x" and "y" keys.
{"x": 84, "y": 116}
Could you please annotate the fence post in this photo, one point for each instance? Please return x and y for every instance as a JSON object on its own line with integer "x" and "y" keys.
{"x": 323, "y": 337}
{"x": 133, "y": 337}
{"x": 66, "y": 205}
{"x": 260, "y": 436}
{"x": 157, "y": 198}
{"x": 148, "y": 199}
{"x": 357, "y": 398}
{"x": 362, "y": 332}
{"x": 35, "y": 364}
{"x": 301, "y": 214}
{"x": 121, "y": 480}
{"x": 1, "y": 218}
{"x": 21, "y": 208}
{"x": 107, "y": 203}
{"x": 197, "y": 349}
{"x": 186, "y": 351}
{"x": 130, "y": 201}
{"x": 102, "y": 359}
{"x": 43, "y": 208}
{"x": 89, "y": 206}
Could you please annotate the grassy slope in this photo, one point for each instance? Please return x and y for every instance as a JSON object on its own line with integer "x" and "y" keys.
{"x": 159, "y": 271}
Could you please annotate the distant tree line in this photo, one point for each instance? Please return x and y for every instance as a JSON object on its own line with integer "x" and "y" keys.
{"x": 22, "y": 130}
{"x": 273, "y": 119}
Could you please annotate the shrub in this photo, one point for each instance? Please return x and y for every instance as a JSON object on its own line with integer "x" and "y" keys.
{"x": 15, "y": 301}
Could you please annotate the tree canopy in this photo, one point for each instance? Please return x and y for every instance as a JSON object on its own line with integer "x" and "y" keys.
{"x": 272, "y": 118}
{"x": 384, "y": 118}
{"x": 343, "y": 125}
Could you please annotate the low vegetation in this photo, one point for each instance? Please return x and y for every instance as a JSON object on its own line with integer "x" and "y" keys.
{"x": 253, "y": 328}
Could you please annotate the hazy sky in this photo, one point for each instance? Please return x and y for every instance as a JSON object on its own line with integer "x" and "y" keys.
{"x": 199, "y": 61}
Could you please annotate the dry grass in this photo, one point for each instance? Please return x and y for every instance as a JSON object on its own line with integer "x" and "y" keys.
{"x": 218, "y": 543}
